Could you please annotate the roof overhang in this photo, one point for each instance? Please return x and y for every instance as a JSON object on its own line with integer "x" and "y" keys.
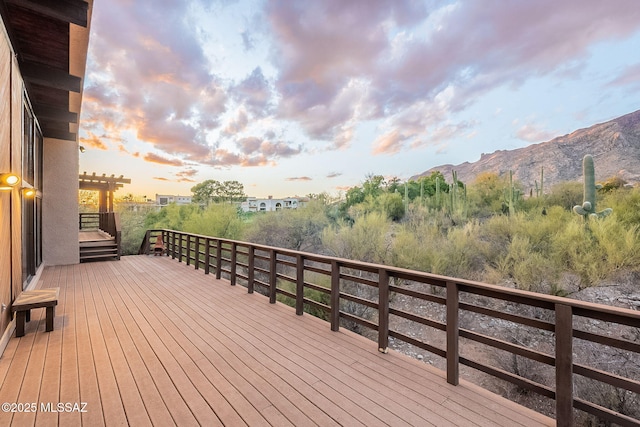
{"x": 50, "y": 39}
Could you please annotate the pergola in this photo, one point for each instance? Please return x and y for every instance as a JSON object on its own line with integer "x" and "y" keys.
{"x": 105, "y": 185}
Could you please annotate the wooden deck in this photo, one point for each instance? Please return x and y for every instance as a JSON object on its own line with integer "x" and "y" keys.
{"x": 148, "y": 341}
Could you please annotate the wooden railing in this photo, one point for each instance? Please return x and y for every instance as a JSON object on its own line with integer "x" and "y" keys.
{"x": 561, "y": 323}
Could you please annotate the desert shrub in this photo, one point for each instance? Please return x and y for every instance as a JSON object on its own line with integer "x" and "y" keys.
{"x": 574, "y": 248}
{"x": 414, "y": 246}
{"x": 368, "y": 239}
{"x": 566, "y": 195}
{"x": 298, "y": 229}
{"x": 171, "y": 216}
{"x": 618, "y": 245}
{"x": 218, "y": 220}
{"x": 391, "y": 205}
{"x": 625, "y": 204}
{"x": 133, "y": 230}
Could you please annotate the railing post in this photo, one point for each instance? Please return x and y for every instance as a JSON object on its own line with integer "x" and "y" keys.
{"x": 453, "y": 353}
{"x": 218, "y": 259}
{"x": 383, "y": 310}
{"x": 564, "y": 365}
{"x": 335, "y": 296}
{"x": 207, "y": 255}
{"x": 147, "y": 236}
{"x": 299, "y": 284}
{"x": 179, "y": 236}
{"x": 272, "y": 276}
{"x": 232, "y": 267}
{"x": 173, "y": 245}
{"x": 251, "y": 268}
{"x": 188, "y": 249}
{"x": 197, "y": 253}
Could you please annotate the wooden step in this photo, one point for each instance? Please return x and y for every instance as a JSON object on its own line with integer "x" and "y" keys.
{"x": 94, "y": 251}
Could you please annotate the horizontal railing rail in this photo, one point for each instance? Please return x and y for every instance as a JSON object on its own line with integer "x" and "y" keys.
{"x": 363, "y": 294}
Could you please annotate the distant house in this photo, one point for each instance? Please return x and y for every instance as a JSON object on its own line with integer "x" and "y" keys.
{"x": 253, "y": 204}
{"x": 165, "y": 199}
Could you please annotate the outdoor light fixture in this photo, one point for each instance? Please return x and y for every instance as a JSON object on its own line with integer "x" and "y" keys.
{"x": 82, "y": 149}
{"x": 28, "y": 192}
{"x": 8, "y": 181}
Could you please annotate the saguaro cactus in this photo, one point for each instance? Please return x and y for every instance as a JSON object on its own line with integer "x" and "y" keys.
{"x": 588, "y": 208}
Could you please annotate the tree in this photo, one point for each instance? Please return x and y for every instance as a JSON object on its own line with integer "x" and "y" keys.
{"x": 205, "y": 192}
{"x": 214, "y": 191}
{"x": 233, "y": 191}
{"x": 373, "y": 185}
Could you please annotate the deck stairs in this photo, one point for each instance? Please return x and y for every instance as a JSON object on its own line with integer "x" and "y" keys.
{"x": 97, "y": 245}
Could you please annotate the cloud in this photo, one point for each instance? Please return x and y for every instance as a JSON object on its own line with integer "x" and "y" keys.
{"x": 154, "y": 158}
{"x": 402, "y": 53}
{"x": 298, "y": 178}
{"x": 159, "y": 178}
{"x": 408, "y": 65}
{"x": 237, "y": 124}
{"x": 186, "y": 175}
{"x": 252, "y": 146}
{"x": 254, "y": 92}
{"x": 630, "y": 76}
{"x": 143, "y": 78}
{"x": 334, "y": 175}
{"x": 532, "y": 132}
{"x": 247, "y": 40}
{"x": 93, "y": 141}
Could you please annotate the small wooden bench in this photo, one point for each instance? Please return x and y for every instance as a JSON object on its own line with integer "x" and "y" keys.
{"x": 35, "y": 299}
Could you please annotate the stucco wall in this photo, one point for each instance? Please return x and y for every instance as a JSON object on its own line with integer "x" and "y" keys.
{"x": 60, "y": 203}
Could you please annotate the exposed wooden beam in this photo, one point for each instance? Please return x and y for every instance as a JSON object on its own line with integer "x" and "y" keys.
{"x": 59, "y": 134}
{"x": 51, "y": 112}
{"x": 48, "y": 125}
{"x": 73, "y": 11}
{"x": 47, "y": 113}
{"x": 50, "y": 77}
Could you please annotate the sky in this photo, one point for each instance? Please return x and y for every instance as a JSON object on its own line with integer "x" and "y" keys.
{"x": 293, "y": 97}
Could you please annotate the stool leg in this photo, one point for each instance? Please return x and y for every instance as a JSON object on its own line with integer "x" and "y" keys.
{"x": 50, "y": 315}
{"x": 20, "y": 319}
{"x": 27, "y": 316}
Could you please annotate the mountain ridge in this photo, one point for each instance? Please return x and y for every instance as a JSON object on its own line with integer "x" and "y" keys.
{"x": 614, "y": 145}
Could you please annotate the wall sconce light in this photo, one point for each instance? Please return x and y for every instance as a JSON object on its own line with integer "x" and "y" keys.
{"x": 81, "y": 148}
{"x": 28, "y": 192}
{"x": 8, "y": 181}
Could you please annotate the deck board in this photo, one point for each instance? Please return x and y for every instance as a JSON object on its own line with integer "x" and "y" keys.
{"x": 148, "y": 341}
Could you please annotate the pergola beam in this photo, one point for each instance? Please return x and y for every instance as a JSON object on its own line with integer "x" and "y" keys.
{"x": 106, "y": 185}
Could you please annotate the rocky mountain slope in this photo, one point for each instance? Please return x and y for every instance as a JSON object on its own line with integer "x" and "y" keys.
{"x": 614, "y": 145}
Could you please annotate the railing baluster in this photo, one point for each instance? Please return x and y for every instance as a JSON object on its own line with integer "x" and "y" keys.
{"x": 207, "y": 255}
{"x": 232, "y": 267}
{"x": 272, "y": 276}
{"x": 453, "y": 351}
{"x": 218, "y": 259}
{"x": 335, "y": 295}
{"x": 564, "y": 365}
{"x": 299, "y": 284}
{"x": 383, "y": 310}
{"x": 251, "y": 267}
